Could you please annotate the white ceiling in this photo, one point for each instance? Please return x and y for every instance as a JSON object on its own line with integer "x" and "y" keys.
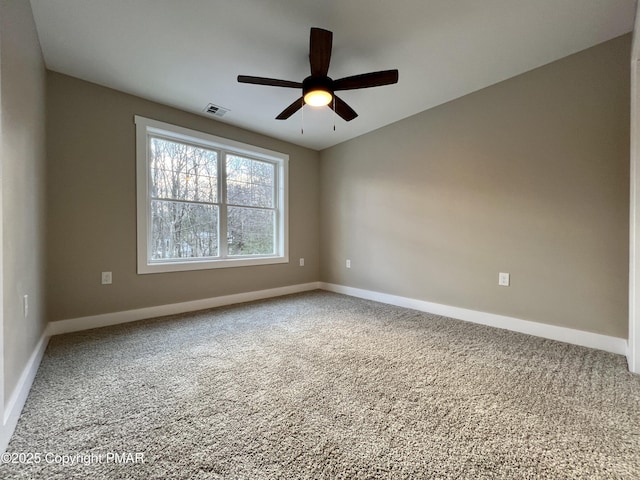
{"x": 188, "y": 53}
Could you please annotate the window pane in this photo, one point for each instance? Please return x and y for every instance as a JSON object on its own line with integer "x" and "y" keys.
{"x": 183, "y": 230}
{"x": 250, "y": 231}
{"x": 182, "y": 172}
{"x": 250, "y": 182}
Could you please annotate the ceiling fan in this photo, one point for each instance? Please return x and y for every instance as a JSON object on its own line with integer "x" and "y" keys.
{"x": 318, "y": 89}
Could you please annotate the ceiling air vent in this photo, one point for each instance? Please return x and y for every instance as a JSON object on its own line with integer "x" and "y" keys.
{"x": 215, "y": 110}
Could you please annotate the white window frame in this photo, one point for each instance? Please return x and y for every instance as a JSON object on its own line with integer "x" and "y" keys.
{"x": 146, "y": 127}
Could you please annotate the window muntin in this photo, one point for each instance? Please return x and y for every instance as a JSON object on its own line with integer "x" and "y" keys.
{"x": 194, "y": 190}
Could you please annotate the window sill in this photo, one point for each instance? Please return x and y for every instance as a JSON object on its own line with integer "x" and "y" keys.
{"x": 145, "y": 268}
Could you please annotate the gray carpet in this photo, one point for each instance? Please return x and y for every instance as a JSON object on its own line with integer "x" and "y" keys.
{"x": 320, "y": 385}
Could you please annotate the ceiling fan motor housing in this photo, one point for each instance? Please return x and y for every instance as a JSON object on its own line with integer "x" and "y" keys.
{"x": 312, "y": 83}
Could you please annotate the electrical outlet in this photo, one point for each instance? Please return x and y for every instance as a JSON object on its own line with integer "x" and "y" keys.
{"x": 348, "y": 263}
{"x": 107, "y": 278}
{"x": 302, "y": 262}
{"x": 503, "y": 279}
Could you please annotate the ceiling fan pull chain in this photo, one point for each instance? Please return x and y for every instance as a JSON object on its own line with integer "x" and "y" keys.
{"x": 302, "y": 118}
{"x": 334, "y": 113}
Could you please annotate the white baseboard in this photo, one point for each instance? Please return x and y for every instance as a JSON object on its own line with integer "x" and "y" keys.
{"x": 552, "y": 332}
{"x": 562, "y": 334}
{"x": 21, "y": 392}
{"x": 115, "y": 318}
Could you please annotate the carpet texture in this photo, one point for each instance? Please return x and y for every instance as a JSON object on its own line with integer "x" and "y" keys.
{"x": 324, "y": 386}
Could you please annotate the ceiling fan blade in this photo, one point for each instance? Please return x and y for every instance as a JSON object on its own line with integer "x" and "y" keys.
{"x": 291, "y": 109}
{"x": 273, "y": 82}
{"x": 342, "y": 109}
{"x": 366, "y": 80}
{"x": 320, "y": 51}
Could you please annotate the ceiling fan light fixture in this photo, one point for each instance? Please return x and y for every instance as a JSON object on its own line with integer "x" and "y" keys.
{"x": 318, "y": 98}
{"x": 317, "y": 91}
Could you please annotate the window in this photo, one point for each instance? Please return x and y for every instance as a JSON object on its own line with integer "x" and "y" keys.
{"x": 207, "y": 202}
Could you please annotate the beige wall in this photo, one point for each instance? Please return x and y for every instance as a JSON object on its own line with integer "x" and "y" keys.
{"x": 529, "y": 176}
{"x": 23, "y": 172}
{"x": 92, "y": 207}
